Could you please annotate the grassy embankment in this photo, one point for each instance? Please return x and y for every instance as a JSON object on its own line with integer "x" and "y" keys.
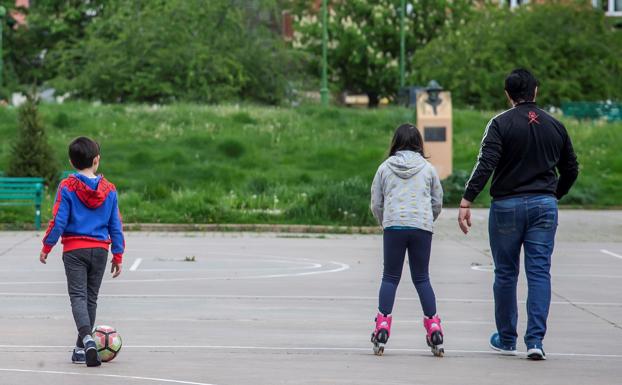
{"x": 228, "y": 164}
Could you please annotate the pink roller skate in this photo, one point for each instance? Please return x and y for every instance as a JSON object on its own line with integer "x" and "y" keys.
{"x": 380, "y": 336}
{"x": 434, "y": 336}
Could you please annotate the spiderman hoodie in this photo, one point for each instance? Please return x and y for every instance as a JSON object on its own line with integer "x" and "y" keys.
{"x": 86, "y": 215}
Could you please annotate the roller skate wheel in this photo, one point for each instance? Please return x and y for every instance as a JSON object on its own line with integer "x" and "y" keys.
{"x": 378, "y": 349}
{"x": 438, "y": 351}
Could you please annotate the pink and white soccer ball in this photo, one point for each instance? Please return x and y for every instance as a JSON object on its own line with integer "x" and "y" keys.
{"x": 108, "y": 342}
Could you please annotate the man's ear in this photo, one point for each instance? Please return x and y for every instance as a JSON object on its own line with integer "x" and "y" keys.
{"x": 535, "y": 93}
{"x": 509, "y": 98}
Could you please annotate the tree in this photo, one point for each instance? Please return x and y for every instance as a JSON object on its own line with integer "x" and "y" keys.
{"x": 364, "y": 39}
{"x": 162, "y": 51}
{"x": 570, "y": 47}
{"x": 152, "y": 50}
{"x": 31, "y": 154}
{"x": 32, "y": 51}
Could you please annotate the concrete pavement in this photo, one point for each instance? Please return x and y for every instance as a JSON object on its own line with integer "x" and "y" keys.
{"x": 297, "y": 309}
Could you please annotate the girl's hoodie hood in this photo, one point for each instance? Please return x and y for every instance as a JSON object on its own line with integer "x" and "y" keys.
{"x": 405, "y": 164}
{"x": 91, "y": 191}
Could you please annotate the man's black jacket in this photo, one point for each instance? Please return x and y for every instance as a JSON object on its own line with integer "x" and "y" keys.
{"x": 525, "y": 147}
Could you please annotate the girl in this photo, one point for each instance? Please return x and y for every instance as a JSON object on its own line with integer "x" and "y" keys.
{"x": 406, "y": 197}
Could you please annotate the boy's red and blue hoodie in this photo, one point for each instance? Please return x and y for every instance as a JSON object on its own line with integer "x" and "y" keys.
{"x": 86, "y": 215}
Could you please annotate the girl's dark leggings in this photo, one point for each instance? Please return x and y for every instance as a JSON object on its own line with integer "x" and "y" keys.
{"x": 396, "y": 243}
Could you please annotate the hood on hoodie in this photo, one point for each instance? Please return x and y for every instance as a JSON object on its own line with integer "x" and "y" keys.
{"x": 91, "y": 191}
{"x": 405, "y": 164}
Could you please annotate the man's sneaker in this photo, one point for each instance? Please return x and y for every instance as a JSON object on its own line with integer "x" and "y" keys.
{"x": 90, "y": 349}
{"x": 535, "y": 352}
{"x": 496, "y": 344}
{"x": 78, "y": 356}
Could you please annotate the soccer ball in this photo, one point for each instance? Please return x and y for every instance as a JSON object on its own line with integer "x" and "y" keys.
{"x": 108, "y": 342}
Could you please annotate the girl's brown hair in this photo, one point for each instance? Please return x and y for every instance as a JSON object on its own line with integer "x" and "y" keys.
{"x": 407, "y": 138}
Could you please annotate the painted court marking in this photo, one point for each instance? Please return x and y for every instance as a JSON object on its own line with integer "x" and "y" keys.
{"x": 151, "y": 379}
{"x": 136, "y": 263}
{"x": 340, "y": 267}
{"x": 300, "y": 348}
{"x": 611, "y": 253}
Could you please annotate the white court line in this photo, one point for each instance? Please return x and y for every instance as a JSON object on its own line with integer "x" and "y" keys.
{"x": 136, "y": 263}
{"x": 611, "y": 253}
{"x": 152, "y": 379}
{"x": 490, "y": 269}
{"x": 306, "y": 348}
{"x": 342, "y": 267}
{"x": 295, "y": 297}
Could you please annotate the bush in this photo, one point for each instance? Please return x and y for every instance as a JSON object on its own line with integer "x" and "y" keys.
{"x": 31, "y": 154}
{"x": 571, "y": 48}
{"x": 453, "y": 187}
{"x": 164, "y": 51}
{"x": 232, "y": 148}
{"x": 61, "y": 120}
{"x": 344, "y": 203}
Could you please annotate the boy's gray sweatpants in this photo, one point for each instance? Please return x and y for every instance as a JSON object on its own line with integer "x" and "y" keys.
{"x": 84, "y": 269}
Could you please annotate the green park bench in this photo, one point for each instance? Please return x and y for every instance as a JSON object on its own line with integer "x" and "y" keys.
{"x": 22, "y": 192}
{"x": 593, "y": 110}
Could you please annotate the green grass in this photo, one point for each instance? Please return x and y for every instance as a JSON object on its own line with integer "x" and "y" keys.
{"x": 230, "y": 164}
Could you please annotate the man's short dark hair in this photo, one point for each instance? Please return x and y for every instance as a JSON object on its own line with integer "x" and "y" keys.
{"x": 82, "y": 151}
{"x": 521, "y": 85}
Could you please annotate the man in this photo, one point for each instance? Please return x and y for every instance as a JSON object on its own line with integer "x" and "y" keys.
{"x": 524, "y": 146}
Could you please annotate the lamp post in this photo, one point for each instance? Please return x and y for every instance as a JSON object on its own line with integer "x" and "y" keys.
{"x": 324, "y": 85}
{"x": 434, "y": 89}
{"x": 2, "y": 14}
{"x": 402, "y": 42}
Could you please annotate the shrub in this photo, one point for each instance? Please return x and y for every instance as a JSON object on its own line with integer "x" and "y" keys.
{"x": 61, "y": 120}
{"x": 232, "y": 148}
{"x": 345, "y": 203}
{"x": 31, "y": 154}
{"x": 453, "y": 187}
{"x": 164, "y": 51}
{"x": 571, "y": 48}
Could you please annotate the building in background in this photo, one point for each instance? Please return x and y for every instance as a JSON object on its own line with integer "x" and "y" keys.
{"x": 18, "y": 18}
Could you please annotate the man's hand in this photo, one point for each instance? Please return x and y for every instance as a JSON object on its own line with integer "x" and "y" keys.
{"x": 43, "y": 257}
{"x": 464, "y": 216}
{"x": 115, "y": 270}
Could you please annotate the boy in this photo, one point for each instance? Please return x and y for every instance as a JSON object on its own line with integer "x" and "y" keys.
{"x": 87, "y": 217}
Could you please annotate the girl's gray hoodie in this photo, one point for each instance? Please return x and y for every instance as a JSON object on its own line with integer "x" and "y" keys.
{"x": 406, "y": 192}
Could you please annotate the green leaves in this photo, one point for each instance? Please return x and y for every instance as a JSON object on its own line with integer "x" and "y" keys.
{"x": 154, "y": 51}
{"x": 570, "y": 48}
{"x": 364, "y": 39}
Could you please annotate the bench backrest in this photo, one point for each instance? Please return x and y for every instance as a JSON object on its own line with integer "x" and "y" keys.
{"x": 21, "y": 189}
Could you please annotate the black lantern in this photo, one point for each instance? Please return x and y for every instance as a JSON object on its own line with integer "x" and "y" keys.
{"x": 434, "y": 89}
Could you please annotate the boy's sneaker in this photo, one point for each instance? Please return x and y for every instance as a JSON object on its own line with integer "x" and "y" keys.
{"x": 90, "y": 349}
{"x": 535, "y": 352}
{"x": 496, "y": 344}
{"x": 78, "y": 356}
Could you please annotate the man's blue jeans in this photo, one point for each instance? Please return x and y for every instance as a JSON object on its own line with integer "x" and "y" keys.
{"x": 530, "y": 222}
